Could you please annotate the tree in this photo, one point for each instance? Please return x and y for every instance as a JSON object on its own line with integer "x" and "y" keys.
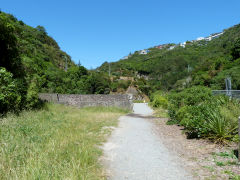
{"x": 41, "y": 29}
{"x": 10, "y": 98}
{"x": 79, "y": 63}
{"x": 9, "y": 54}
{"x": 236, "y": 50}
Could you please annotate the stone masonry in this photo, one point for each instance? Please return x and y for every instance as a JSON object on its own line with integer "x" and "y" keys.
{"x": 78, "y": 100}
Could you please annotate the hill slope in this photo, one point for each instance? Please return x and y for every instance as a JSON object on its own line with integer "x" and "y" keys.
{"x": 200, "y": 62}
{"x": 31, "y": 61}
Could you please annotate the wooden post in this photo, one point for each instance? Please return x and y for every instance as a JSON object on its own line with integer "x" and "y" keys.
{"x": 239, "y": 138}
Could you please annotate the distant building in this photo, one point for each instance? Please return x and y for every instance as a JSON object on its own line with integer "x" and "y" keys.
{"x": 171, "y": 47}
{"x": 213, "y": 36}
{"x": 183, "y": 44}
{"x": 200, "y": 39}
{"x": 145, "y": 51}
{"x": 161, "y": 46}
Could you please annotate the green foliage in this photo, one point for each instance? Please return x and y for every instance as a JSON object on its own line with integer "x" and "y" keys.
{"x": 236, "y": 49}
{"x": 36, "y": 64}
{"x": 138, "y": 101}
{"x": 98, "y": 84}
{"x": 121, "y": 84}
{"x": 10, "y": 98}
{"x": 204, "y": 63}
{"x": 204, "y": 115}
{"x": 9, "y": 56}
{"x": 32, "y": 93}
{"x": 190, "y": 96}
{"x": 160, "y": 101}
{"x": 57, "y": 142}
{"x": 143, "y": 86}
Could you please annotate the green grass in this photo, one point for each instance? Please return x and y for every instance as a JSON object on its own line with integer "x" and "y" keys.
{"x": 160, "y": 112}
{"x": 60, "y": 142}
{"x": 138, "y": 101}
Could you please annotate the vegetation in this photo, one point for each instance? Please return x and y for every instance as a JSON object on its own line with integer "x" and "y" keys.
{"x": 181, "y": 80}
{"x": 159, "y": 103}
{"x": 201, "y": 113}
{"x": 32, "y": 62}
{"x": 205, "y": 63}
{"x": 58, "y": 142}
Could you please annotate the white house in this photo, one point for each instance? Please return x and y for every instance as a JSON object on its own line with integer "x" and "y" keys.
{"x": 213, "y": 36}
{"x": 200, "y": 38}
{"x": 183, "y": 44}
{"x": 145, "y": 51}
{"x": 171, "y": 47}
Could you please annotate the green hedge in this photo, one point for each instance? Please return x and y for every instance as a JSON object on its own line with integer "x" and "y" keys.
{"x": 204, "y": 115}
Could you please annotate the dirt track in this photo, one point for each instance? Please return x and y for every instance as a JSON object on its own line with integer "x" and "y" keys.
{"x": 135, "y": 152}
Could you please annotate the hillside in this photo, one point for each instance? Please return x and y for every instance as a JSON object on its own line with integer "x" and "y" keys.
{"x": 203, "y": 62}
{"x": 31, "y": 62}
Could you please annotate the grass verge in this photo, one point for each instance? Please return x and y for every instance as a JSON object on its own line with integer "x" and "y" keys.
{"x": 160, "y": 112}
{"x": 60, "y": 142}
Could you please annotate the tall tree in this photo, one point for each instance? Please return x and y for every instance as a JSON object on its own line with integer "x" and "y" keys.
{"x": 9, "y": 54}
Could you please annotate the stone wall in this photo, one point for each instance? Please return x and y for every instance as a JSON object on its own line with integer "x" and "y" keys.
{"x": 78, "y": 100}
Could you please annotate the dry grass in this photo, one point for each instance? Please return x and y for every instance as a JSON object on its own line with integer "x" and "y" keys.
{"x": 58, "y": 143}
{"x": 160, "y": 112}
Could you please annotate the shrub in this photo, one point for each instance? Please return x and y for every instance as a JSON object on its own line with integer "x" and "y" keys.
{"x": 32, "y": 94}
{"x": 184, "y": 115}
{"x": 123, "y": 84}
{"x": 194, "y": 119}
{"x": 219, "y": 128}
{"x": 195, "y": 95}
{"x": 204, "y": 115}
{"x": 151, "y": 97}
{"x": 160, "y": 101}
{"x": 188, "y": 97}
{"x": 10, "y": 99}
{"x": 172, "y": 111}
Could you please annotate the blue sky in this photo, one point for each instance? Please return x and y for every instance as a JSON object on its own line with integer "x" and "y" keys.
{"x": 95, "y": 31}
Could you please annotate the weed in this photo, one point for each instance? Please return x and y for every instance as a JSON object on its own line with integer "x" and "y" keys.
{"x": 210, "y": 168}
{"x": 59, "y": 143}
{"x": 219, "y": 163}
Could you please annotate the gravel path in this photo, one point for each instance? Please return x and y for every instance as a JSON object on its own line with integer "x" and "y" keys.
{"x": 135, "y": 152}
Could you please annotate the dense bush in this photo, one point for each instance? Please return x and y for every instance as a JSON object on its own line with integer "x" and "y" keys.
{"x": 204, "y": 115}
{"x": 9, "y": 52}
{"x": 10, "y": 98}
{"x": 188, "y": 97}
{"x": 159, "y": 99}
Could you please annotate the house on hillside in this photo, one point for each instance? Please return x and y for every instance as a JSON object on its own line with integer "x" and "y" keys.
{"x": 161, "y": 46}
{"x": 145, "y": 51}
{"x": 200, "y": 39}
{"x": 172, "y": 47}
{"x": 213, "y": 36}
{"x": 183, "y": 44}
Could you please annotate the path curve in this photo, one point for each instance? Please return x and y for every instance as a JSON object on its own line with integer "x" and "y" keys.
{"x": 135, "y": 152}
